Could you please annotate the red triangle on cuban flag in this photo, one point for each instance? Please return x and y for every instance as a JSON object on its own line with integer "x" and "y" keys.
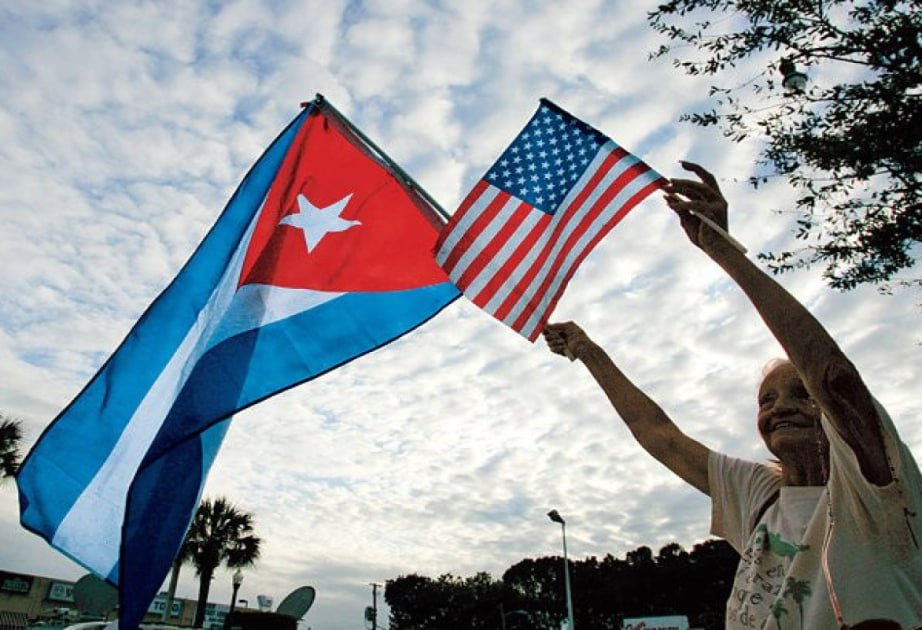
{"x": 333, "y": 219}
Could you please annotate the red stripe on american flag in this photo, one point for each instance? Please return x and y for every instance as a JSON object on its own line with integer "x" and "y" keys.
{"x": 501, "y": 275}
{"x": 633, "y": 201}
{"x": 624, "y": 179}
{"x": 561, "y": 222}
{"x": 481, "y": 221}
{"x": 472, "y": 196}
{"x": 489, "y": 253}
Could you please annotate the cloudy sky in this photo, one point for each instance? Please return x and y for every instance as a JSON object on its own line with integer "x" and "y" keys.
{"x": 127, "y": 125}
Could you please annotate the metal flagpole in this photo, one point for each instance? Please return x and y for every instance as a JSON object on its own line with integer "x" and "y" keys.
{"x": 321, "y": 102}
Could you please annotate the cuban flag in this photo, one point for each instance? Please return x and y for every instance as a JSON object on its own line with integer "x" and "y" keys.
{"x": 321, "y": 256}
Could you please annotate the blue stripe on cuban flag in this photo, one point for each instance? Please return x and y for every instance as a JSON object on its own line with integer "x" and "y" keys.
{"x": 115, "y": 479}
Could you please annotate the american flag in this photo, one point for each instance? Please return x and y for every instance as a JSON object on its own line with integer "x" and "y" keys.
{"x": 519, "y": 235}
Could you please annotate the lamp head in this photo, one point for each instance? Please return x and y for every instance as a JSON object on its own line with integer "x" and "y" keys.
{"x": 794, "y": 80}
{"x": 555, "y": 516}
{"x": 237, "y": 578}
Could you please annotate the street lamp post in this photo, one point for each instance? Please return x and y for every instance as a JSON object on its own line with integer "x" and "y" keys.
{"x": 794, "y": 80}
{"x": 236, "y": 580}
{"x": 555, "y": 516}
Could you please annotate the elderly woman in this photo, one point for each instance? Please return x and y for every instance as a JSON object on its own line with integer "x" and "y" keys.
{"x": 830, "y": 537}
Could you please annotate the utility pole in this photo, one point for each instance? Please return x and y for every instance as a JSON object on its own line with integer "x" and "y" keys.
{"x": 373, "y": 616}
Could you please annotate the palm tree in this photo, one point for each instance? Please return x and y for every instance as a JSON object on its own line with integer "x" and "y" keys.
{"x": 219, "y": 534}
{"x": 10, "y": 437}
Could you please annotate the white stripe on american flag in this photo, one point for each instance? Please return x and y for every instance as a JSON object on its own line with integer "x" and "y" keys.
{"x": 516, "y": 276}
{"x": 486, "y": 237}
{"x": 462, "y": 226}
{"x": 477, "y": 284}
{"x": 637, "y": 184}
{"x": 568, "y": 218}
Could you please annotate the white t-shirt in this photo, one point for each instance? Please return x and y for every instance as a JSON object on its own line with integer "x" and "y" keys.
{"x": 871, "y": 558}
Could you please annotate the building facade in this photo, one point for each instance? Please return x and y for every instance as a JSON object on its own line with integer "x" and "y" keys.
{"x": 27, "y": 600}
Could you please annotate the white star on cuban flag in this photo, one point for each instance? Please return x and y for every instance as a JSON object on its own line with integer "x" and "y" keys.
{"x": 318, "y": 222}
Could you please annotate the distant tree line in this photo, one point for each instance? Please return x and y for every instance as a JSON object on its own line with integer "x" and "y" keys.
{"x": 530, "y": 594}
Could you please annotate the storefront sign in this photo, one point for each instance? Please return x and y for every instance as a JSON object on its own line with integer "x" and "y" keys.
{"x": 61, "y": 592}
{"x": 13, "y": 583}
{"x": 672, "y": 622}
{"x": 159, "y": 605}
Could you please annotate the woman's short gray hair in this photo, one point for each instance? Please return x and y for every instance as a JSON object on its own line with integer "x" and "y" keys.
{"x": 771, "y": 365}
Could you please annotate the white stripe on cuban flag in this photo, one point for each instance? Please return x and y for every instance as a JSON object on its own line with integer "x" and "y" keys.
{"x": 94, "y": 523}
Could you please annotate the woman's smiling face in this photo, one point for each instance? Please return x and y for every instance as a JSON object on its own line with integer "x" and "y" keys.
{"x": 788, "y": 419}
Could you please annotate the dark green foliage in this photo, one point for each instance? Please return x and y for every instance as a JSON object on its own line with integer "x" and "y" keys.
{"x": 851, "y": 144}
{"x": 10, "y": 438}
{"x": 448, "y": 602}
{"x": 531, "y": 592}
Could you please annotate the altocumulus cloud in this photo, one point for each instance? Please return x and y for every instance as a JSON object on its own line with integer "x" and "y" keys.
{"x": 126, "y": 127}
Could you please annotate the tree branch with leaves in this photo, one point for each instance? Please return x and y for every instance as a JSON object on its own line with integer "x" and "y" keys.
{"x": 851, "y": 144}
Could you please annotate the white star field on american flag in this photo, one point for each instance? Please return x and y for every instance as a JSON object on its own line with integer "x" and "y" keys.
{"x": 546, "y": 159}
